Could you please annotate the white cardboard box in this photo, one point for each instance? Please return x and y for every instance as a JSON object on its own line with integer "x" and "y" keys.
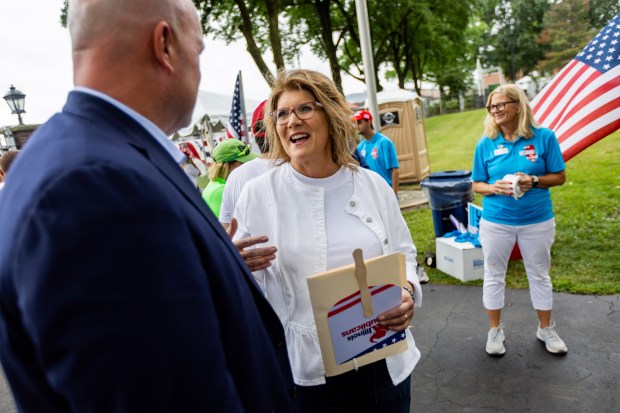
{"x": 459, "y": 259}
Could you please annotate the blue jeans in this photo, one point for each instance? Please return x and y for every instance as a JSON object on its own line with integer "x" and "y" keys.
{"x": 368, "y": 390}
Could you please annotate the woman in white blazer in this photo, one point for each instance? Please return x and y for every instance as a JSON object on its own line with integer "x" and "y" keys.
{"x": 316, "y": 206}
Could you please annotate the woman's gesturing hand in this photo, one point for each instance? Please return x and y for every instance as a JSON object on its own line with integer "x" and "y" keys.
{"x": 255, "y": 258}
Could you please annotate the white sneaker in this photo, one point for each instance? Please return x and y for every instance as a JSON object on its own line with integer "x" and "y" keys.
{"x": 422, "y": 275}
{"x": 495, "y": 341}
{"x": 553, "y": 342}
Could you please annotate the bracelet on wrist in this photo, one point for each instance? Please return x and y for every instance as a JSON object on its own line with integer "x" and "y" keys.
{"x": 410, "y": 291}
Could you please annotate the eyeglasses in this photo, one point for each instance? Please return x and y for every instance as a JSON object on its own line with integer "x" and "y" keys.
{"x": 500, "y": 105}
{"x": 303, "y": 112}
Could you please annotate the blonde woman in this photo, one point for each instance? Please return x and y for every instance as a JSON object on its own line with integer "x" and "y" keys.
{"x": 514, "y": 144}
{"x": 317, "y": 205}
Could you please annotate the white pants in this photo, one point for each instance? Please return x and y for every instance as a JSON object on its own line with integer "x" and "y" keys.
{"x": 535, "y": 242}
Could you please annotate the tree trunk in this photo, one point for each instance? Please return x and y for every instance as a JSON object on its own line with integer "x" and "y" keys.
{"x": 414, "y": 72}
{"x": 253, "y": 49}
{"x": 273, "y": 10}
{"x": 322, "y": 9}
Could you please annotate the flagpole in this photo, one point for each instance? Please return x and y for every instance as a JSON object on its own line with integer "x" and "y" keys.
{"x": 361, "y": 8}
{"x": 243, "y": 111}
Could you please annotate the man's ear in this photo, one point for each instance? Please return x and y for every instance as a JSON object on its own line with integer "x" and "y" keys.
{"x": 163, "y": 41}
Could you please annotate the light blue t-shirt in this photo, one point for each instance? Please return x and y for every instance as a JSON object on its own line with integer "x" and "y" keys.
{"x": 380, "y": 155}
{"x": 494, "y": 158}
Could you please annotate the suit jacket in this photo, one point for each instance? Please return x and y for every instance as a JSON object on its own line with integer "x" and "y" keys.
{"x": 119, "y": 290}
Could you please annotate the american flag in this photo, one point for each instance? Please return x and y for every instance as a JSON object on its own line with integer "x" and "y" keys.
{"x": 347, "y": 321}
{"x": 236, "y": 119}
{"x": 582, "y": 102}
{"x": 393, "y": 339}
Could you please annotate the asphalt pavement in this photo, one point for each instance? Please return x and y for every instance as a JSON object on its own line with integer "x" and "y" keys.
{"x": 6, "y": 398}
{"x": 455, "y": 374}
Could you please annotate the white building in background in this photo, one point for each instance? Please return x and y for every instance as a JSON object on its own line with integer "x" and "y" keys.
{"x": 487, "y": 79}
{"x": 490, "y": 78}
{"x": 528, "y": 85}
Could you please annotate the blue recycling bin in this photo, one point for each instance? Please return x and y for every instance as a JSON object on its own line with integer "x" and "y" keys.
{"x": 448, "y": 193}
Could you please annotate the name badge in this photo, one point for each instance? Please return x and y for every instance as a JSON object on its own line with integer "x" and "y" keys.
{"x": 500, "y": 151}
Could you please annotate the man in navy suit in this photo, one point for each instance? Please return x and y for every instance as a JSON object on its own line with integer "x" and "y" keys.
{"x": 119, "y": 290}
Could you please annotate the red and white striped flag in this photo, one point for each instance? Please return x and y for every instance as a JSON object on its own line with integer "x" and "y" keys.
{"x": 582, "y": 102}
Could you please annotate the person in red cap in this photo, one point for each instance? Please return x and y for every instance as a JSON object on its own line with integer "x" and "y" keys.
{"x": 377, "y": 150}
{"x": 258, "y": 127}
{"x": 261, "y": 257}
{"x": 238, "y": 178}
{"x": 379, "y": 153}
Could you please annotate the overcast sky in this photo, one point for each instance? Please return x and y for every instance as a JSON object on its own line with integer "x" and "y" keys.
{"x": 35, "y": 56}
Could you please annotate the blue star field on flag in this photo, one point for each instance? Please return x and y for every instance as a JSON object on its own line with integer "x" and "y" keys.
{"x": 603, "y": 52}
{"x": 235, "y": 127}
{"x": 393, "y": 339}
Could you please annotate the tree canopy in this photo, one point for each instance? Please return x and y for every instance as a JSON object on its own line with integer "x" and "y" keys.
{"x": 569, "y": 25}
{"x": 512, "y": 40}
{"x": 567, "y": 30}
{"x": 412, "y": 40}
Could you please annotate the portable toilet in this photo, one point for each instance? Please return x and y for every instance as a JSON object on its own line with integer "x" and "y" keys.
{"x": 401, "y": 116}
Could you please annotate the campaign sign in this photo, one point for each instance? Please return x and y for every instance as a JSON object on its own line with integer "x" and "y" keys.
{"x": 349, "y": 340}
{"x": 354, "y": 335}
{"x": 475, "y": 215}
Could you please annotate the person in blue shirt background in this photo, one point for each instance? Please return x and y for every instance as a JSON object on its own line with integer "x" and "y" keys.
{"x": 514, "y": 144}
{"x": 378, "y": 153}
{"x": 377, "y": 150}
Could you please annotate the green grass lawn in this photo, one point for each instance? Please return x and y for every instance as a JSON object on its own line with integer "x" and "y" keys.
{"x": 585, "y": 256}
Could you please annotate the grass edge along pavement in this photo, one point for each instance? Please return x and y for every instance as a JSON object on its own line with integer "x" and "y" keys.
{"x": 585, "y": 258}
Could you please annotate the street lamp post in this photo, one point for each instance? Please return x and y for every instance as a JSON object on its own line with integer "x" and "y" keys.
{"x": 16, "y": 101}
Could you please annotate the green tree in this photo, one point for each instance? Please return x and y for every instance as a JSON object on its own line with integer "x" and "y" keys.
{"x": 257, "y": 21}
{"x": 456, "y": 45}
{"x": 416, "y": 39}
{"x": 512, "y": 42}
{"x": 405, "y": 37}
{"x": 63, "y": 13}
{"x": 602, "y": 11}
{"x": 567, "y": 31}
{"x": 310, "y": 22}
{"x": 324, "y": 26}
{"x": 432, "y": 42}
